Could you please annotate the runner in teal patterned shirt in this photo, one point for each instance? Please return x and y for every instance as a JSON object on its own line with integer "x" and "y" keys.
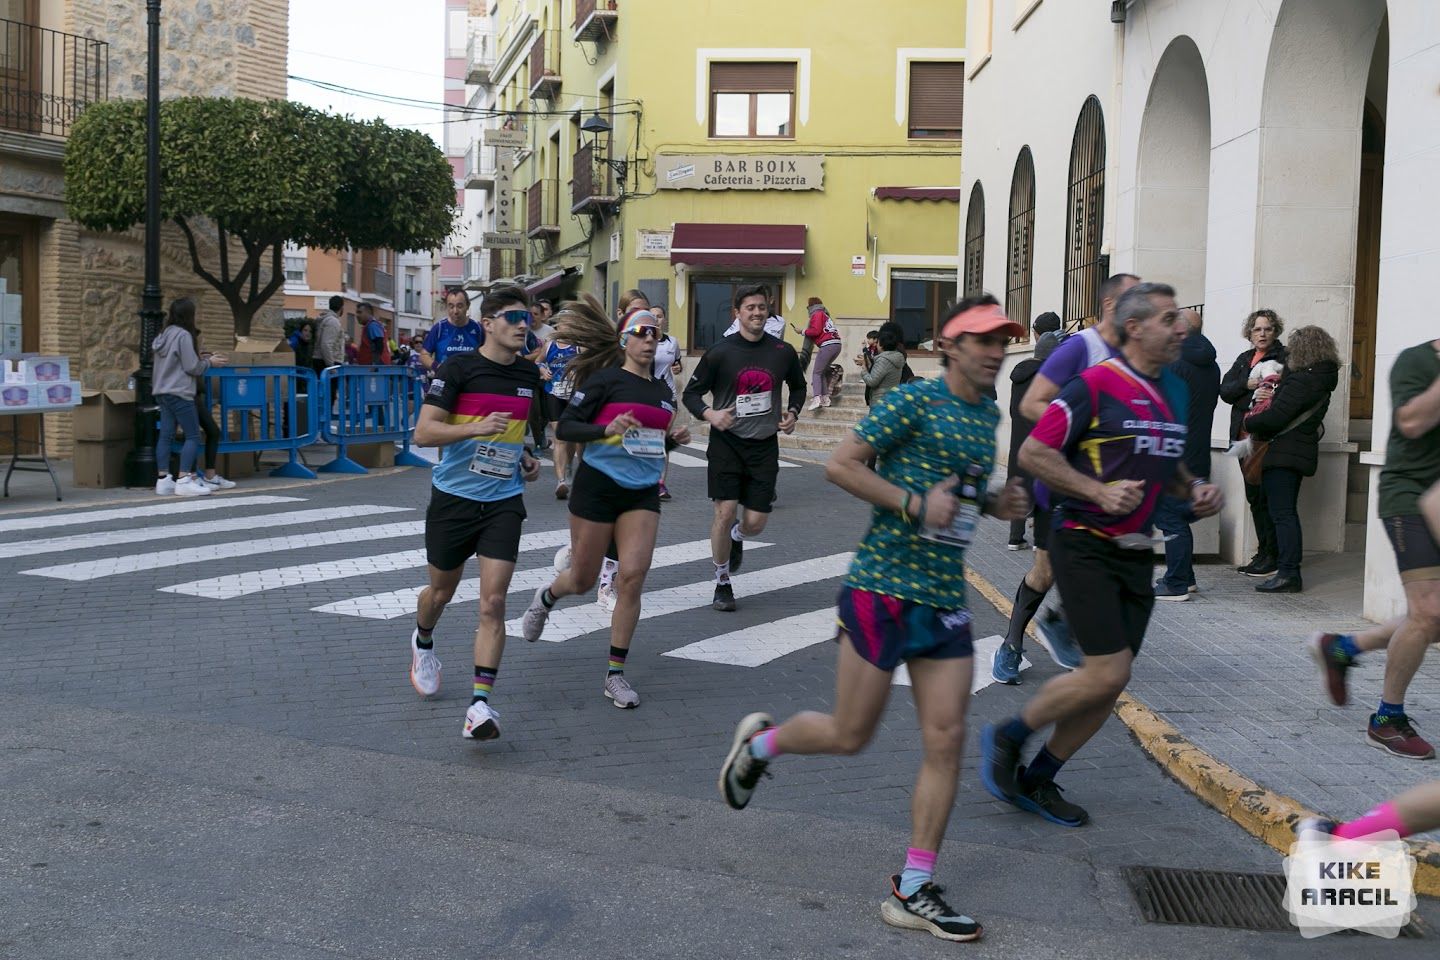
{"x": 923, "y": 434}
{"x": 904, "y": 600}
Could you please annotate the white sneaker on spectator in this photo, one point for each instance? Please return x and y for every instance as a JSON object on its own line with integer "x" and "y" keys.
{"x": 191, "y": 487}
{"x": 165, "y": 486}
{"x": 217, "y": 482}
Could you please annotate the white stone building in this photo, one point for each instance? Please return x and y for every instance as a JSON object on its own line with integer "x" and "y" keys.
{"x": 1253, "y": 153}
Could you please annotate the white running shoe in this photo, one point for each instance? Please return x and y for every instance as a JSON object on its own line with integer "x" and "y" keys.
{"x": 190, "y": 487}
{"x": 605, "y": 596}
{"x": 618, "y": 689}
{"x": 424, "y": 667}
{"x": 562, "y": 559}
{"x": 217, "y": 482}
{"x": 165, "y": 486}
{"x": 480, "y": 722}
{"x": 814, "y": 404}
{"x": 533, "y": 623}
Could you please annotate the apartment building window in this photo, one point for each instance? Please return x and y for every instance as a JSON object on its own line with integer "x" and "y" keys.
{"x": 295, "y": 268}
{"x": 1020, "y": 248}
{"x": 937, "y": 100}
{"x": 753, "y": 100}
{"x": 975, "y": 242}
{"x": 918, "y": 298}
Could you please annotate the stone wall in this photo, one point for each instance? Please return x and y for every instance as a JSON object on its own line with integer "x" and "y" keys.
{"x": 90, "y": 282}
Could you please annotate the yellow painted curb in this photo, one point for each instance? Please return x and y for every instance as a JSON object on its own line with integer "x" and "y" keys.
{"x": 1264, "y": 814}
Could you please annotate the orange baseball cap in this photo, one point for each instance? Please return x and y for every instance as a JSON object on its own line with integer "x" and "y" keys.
{"x": 986, "y": 318}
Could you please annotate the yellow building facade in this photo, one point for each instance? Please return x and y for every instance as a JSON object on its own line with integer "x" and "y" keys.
{"x": 688, "y": 148}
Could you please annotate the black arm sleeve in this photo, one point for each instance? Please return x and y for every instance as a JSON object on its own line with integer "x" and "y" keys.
{"x": 577, "y": 431}
{"x": 1233, "y": 387}
{"x": 575, "y": 424}
{"x": 698, "y": 387}
{"x": 795, "y": 379}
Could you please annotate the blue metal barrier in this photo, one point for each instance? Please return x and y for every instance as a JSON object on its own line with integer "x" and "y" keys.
{"x": 372, "y": 405}
{"x": 261, "y": 408}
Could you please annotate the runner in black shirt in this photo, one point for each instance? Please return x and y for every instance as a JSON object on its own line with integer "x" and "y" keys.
{"x": 625, "y": 417}
{"x": 743, "y": 374}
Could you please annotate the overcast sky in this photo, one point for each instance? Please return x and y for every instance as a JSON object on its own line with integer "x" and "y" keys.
{"x": 396, "y": 48}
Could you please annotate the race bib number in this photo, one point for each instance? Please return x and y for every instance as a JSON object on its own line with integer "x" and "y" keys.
{"x": 496, "y": 462}
{"x": 644, "y": 442}
{"x": 562, "y": 389}
{"x": 961, "y": 531}
{"x": 752, "y": 404}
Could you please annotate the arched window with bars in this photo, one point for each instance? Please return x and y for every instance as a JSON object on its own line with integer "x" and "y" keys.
{"x": 975, "y": 243}
{"x": 1020, "y": 248}
{"x": 1085, "y": 218}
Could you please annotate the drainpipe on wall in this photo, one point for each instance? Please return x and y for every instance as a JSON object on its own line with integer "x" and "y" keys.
{"x": 1112, "y": 126}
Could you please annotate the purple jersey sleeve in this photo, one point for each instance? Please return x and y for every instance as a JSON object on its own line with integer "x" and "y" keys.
{"x": 1068, "y": 361}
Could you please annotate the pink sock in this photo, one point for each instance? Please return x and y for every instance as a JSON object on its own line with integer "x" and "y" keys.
{"x": 762, "y": 745}
{"x": 917, "y": 859}
{"x": 1381, "y": 818}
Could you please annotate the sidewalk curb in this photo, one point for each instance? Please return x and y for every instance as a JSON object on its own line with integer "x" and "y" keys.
{"x": 1264, "y": 814}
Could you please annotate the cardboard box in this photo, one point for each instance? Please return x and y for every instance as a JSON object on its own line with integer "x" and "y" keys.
{"x": 19, "y": 396}
{"x": 100, "y": 464}
{"x": 372, "y": 454}
{"x": 36, "y": 368}
{"x": 234, "y": 466}
{"x": 260, "y": 352}
{"x": 105, "y": 415}
{"x": 58, "y": 396}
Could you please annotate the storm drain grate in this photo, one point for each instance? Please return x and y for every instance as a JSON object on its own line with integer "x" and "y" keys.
{"x": 1214, "y": 898}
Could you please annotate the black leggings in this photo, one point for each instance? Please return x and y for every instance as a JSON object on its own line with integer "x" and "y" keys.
{"x": 211, "y": 431}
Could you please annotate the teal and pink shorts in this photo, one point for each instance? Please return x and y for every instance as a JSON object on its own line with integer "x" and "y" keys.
{"x": 887, "y": 631}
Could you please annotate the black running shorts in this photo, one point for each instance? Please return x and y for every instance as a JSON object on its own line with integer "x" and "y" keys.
{"x": 743, "y": 470}
{"x": 1107, "y": 591}
{"x": 457, "y": 528}
{"x": 596, "y": 497}
{"x": 1416, "y": 553}
{"x": 1043, "y": 526}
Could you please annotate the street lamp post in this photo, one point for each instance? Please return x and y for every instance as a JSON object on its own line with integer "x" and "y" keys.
{"x": 141, "y": 467}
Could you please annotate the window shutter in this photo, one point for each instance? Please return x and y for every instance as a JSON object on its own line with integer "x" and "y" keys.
{"x": 752, "y": 77}
{"x": 937, "y": 96}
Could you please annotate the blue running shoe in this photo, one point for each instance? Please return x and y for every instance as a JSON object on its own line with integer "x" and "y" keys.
{"x": 999, "y": 764}
{"x": 1005, "y": 668}
{"x": 1057, "y": 636}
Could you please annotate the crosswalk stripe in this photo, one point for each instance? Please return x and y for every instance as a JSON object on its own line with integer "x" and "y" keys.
{"x": 757, "y": 645}
{"x": 401, "y": 603}
{"x": 985, "y": 649}
{"x": 678, "y": 459}
{"x": 305, "y": 574}
{"x": 110, "y": 538}
{"x": 586, "y": 618}
{"x": 113, "y": 566}
{"x": 169, "y": 507}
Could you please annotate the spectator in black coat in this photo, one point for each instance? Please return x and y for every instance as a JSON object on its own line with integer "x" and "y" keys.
{"x": 1173, "y": 516}
{"x": 1294, "y": 422}
{"x": 1045, "y": 326}
{"x": 1262, "y": 328}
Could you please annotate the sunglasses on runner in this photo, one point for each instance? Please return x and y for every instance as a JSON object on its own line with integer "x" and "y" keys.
{"x": 643, "y": 331}
{"x": 514, "y": 317}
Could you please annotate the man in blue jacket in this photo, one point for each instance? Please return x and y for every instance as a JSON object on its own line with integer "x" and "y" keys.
{"x": 1173, "y": 516}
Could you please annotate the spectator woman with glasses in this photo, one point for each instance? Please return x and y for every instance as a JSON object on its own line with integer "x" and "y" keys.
{"x": 1262, "y": 328}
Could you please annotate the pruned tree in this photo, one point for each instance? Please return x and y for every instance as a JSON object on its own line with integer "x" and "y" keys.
{"x": 265, "y": 173}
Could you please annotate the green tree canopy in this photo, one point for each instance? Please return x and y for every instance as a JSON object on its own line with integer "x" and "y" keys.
{"x": 265, "y": 172}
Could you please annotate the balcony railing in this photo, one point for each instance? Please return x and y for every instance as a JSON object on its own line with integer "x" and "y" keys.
{"x": 479, "y": 167}
{"x": 478, "y": 268}
{"x": 378, "y": 282}
{"x": 47, "y": 78}
{"x": 545, "y": 65}
{"x": 542, "y": 213}
{"x": 595, "y": 19}
{"x": 480, "y": 50}
{"x": 592, "y": 183}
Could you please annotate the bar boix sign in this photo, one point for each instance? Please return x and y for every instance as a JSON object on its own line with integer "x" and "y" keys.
{"x": 740, "y": 171}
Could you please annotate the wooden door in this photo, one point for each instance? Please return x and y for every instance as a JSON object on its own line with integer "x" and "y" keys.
{"x": 1367, "y": 270}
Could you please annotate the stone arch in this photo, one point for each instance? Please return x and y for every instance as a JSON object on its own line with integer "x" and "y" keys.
{"x": 1173, "y": 173}
{"x": 1312, "y": 106}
